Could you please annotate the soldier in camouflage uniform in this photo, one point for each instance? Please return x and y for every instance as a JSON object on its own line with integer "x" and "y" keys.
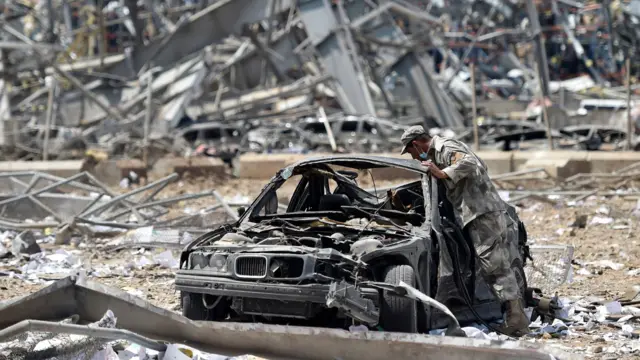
{"x": 478, "y": 208}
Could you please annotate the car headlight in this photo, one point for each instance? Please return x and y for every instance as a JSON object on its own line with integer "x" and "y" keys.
{"x": 218, "y": 263}
{"x": 199, "y": 261}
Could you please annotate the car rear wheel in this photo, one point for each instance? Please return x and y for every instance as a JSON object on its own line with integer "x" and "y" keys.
{"x": 398, "y": 313}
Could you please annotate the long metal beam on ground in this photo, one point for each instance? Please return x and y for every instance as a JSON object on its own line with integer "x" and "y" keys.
{"x": 90, "y": 300}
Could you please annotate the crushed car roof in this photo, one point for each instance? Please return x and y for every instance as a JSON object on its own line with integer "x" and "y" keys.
{"x": 363, "y": 162}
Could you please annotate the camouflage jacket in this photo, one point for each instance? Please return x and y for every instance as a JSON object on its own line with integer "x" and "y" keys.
{"x": 469, "y": 188}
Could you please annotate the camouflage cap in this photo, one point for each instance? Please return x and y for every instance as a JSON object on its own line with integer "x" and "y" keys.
{"x": 409, "y": 135}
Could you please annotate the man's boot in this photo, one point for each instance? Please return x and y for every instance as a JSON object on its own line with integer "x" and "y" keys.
{"x": 516, "y": 322}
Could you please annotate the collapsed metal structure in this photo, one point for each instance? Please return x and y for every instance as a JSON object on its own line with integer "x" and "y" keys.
{"x": 82, "y": 205}
{"x": 122, "y": 78}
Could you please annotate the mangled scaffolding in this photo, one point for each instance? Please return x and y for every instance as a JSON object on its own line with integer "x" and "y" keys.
{"x": 48, "y": 201}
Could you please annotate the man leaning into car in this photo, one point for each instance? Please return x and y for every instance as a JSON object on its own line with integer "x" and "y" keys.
{"x": 479, "y": 209}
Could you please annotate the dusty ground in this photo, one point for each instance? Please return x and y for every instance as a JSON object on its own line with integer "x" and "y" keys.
{"x": 546, "y": 224}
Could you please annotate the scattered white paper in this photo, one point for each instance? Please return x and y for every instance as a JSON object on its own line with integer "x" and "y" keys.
{"x": 601, "y": 220}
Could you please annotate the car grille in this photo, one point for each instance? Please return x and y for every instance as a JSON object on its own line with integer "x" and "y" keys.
{"x": 251, "y": 266}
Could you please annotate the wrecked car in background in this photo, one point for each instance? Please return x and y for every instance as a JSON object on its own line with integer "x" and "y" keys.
{"x": 218, "y": 139}
{"x": 333, "y": 255}
{"x": 279, "y": 138}
{"x": 358, "y": 134}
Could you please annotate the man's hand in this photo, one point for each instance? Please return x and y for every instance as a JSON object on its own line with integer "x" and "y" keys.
{"x": 435, "y": 170}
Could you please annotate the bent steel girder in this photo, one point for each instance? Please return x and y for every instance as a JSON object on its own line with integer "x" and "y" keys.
{"x": 207, "y": 27}
{"x": 338, "y": 55}
{"x": 433, "y": 102}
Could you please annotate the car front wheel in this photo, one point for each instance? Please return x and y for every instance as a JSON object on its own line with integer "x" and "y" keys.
{"x": 397, "y": 313}
{"x": 192, "y": 306}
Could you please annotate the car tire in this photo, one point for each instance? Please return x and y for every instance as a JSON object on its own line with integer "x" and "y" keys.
{"x": 397, "y": 313}
{"x": 192, "y": 306}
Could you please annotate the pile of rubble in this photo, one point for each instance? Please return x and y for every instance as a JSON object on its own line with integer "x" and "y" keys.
{"x": 223, "y": 77}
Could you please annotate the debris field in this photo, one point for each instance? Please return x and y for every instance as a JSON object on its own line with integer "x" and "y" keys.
{"x": 595, "y": 234}
{"x": 118, "y": 90}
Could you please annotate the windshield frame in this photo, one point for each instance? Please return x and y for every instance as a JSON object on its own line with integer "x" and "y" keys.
{"x": 278, "y": 180}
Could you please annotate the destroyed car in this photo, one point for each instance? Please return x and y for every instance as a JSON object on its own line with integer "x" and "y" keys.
{"x": 212, "y": 134}
{"x": 337, "y": 253}
{"x": 357, "y": 134}
{"x": 210, "y": 139}
{"x": 286, "y": 138}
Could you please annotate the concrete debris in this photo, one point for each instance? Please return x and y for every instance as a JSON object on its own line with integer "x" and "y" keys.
{"x": 582, "y": 317}
{"x": 79, "y": 342}
{"x": 196, "y": 84}
{"x": 149, "y": 237}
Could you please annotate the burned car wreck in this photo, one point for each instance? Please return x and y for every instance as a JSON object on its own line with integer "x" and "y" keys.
{"x": 336, "y": 254}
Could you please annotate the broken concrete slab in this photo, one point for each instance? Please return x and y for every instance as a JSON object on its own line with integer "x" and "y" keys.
{"x": 521, "y": 157}
{"x": 108, "y": 172}
{"x": 91, "y": 300}
{"x": 562, "y": 168}
{"x": 393, "y": 174}
{"x": 608, "y": 162}
{"x": 259, "y": 166}
{"x": 198, "y": 166}
{"x": 64, "y": 168}
{"x": 498, "y": 162}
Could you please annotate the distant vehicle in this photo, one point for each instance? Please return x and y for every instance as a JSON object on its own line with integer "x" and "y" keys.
{"x": 280, "y": 138}
{"x": 218, "y": 139}
{"x": 212, "y": 133}
{"x": 334, "y": 255}
{"x": 356, "y": 134}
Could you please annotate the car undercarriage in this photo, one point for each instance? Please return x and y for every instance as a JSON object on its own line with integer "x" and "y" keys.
{"x": 338, "y": 255}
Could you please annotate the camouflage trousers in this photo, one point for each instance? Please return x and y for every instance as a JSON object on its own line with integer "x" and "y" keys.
{"x": 489, "y": 235}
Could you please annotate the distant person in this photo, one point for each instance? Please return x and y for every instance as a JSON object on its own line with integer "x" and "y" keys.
{"x": 479, "y": 209}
